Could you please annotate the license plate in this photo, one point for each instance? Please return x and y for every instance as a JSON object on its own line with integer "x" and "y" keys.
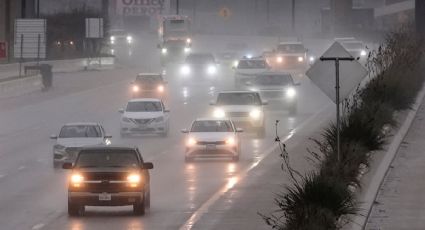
{"x": 104, "y": 196}
{"x": 211, "y": 147}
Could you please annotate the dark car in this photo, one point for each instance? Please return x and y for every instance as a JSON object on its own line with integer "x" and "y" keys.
{"x": 276, "y": 87}
{"x": 149, "y": 85}
{"x": 199, "y": 64}
{"x": 108, "y": 176}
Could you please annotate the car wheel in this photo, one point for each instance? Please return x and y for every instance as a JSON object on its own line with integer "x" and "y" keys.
{"x": 75, "y": 209}
{"x": 139, "y": 208}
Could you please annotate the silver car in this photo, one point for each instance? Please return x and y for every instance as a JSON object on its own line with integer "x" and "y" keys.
{"x": 72, "y": 137}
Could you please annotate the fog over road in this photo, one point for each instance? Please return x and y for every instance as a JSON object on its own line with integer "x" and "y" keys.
{"x": 34, "y": 195}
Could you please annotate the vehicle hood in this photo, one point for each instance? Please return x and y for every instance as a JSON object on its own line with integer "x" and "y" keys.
{"x": 239, "y": 108}
{"x": 211, "y": 136}
{"x": 249, "y": 72}
{"x": 143, "y": 115}
{"x": 79, "y": 142}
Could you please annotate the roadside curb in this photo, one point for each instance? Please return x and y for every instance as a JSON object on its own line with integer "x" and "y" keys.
{"x": 371, "y": 191}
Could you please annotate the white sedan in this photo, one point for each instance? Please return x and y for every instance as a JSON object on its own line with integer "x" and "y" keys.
{"x": 73, "y": 136}
{"x": 212, "y": 137}
{"x": 147, "y": 115}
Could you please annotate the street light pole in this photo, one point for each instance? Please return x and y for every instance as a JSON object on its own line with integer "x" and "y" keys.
{"x": 293, "y": 16}
{"x": 177, "y": 6}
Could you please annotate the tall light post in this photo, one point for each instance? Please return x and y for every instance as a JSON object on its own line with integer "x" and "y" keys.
{"x": 293, "y": 16}
{"x": 177, "y": 6}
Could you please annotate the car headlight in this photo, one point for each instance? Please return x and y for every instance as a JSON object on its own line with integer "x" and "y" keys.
{"x": 185, "y": 70}
{"x": 112, "y": 38}
{"x": 186, "y": 49}
{"x": 164, "y": 51}
{"x": 134, "y": 179}
{"x": 230, "y": 141}
{"x": 188, "y": 40}
{"x": 160, "y": 88}
{"x": 249, "y": 56}
{"x": 219, "y": 113}
{"x": 211, "y": 69}
{"x": 300, "y": 59}
{"x": 235, "y": 64}
{"x": 363, "y": 53}
{"x": 135, "y": 88}
{"x": 77, "y": 180}
{"x": 279, "y": 59}
{"x": 159, "y": 119}
{"x": 311, "y": 59}
{"x": 125, "y": 119}
{"x": 255, "y": 114}
{"x": 191, "y": 142}
{"x": 291, "y": 92}
{"x": 129, "y": 39}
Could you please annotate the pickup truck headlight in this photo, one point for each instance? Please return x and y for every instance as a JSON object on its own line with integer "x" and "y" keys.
{"x": 186, "y": 49}
{"x": 255, "y": 114}
{"x": 363, "y": 53}
{"x": 129, "y": 39}
{"x": 135, "y": 88}
{"x": 77, "y": 180}
{"x": 160, "y": 88}
{"x": 219, "y": 113}
{"x": 279, "y": 59}
{"x": 300, "y": 59}
{"x": 134, "y": 179}
{"x": 164, "y": 51}
{"x": 191, "y": 142}
{"x": 290, "y": 93}
{"x": 230, "y": 141}
{"x": 211, "y": 69}
{"x": 185, "y": 70}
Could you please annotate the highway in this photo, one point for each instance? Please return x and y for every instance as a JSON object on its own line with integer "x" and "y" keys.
{"x": 34, "y": 194}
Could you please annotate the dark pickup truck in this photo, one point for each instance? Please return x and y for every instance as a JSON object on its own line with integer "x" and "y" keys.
{"x": 108, "y": 176}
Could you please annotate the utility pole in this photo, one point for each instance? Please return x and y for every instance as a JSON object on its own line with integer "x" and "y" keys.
{"x": 268, "y": 11}
{"x": 177, "y": 6}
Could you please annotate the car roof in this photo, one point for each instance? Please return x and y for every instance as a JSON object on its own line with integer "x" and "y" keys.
{"x": 149, "y": 74}
{"x": 82, "y": 123}
{"x": 211, "y": 119}
{"x": 107, "y": 147}
{"x": 145, "y": 99}
{"x": 291, "y": 43}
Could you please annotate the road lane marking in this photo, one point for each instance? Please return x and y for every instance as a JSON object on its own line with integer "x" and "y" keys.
{"x": 21, "y": 168}
{"x": 38, "y": 226}
{"x": 196, "y": 216}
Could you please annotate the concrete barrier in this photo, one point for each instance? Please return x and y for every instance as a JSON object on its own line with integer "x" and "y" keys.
{"x": 20, "y": 86}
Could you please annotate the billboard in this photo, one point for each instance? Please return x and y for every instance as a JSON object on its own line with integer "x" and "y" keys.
{"x": 30, "y": 38}
{"x": 151, "y": 8}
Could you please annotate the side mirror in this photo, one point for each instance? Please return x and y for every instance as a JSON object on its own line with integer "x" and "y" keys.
{"x": 185, "y": 131}
{"x": 166, "y": 110}
{"x": 53, "y": 137}
{"x": 147, "y": 165}
{"x": 265, "y": 102}
{"x": 107, "y": 136}
{"x": 121, "y": 110}
{"x": 239, "y": 130}
{"x": 212, "y": 102}
{"x": 67, "y": 165}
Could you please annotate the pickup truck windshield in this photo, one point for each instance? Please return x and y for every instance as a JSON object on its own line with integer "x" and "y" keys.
{"x": 107, "y": 158}
{"x": 238, "y": 99}
{"x": 290, "y": 48}
{"x": 252, "y": 64}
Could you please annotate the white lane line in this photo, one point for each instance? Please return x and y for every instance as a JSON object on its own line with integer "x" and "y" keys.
{"x": 21, "y": 168}
{"x": 38, "y": 226}
{"x": 196, "y": 216}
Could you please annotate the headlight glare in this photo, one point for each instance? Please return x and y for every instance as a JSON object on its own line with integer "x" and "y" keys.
{"x": 136, "y": 88}
{"x": 160, "y": 88}
{"x": 186, "y": 49}
{"x": 363, "y": 53}
{"x": 255, "y": 114}
{"x": 77, "y": 179}
{"x": 300, "y": 59}
{"x": 191, "y": 142}
{"x": 211, "y": 69}
{"x": 279, "y": 59}
{"x": 134, "y": 180}
{"x": 219, "y": 113}
{"x": 129, "y": 39}
{"x": 164, "y": 50}
{"x": 290, "y": 92}
{"x": 185, "y": 70}
{"x": 230, "y": 141}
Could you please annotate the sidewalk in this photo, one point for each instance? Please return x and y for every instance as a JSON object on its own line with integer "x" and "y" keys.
{"x": 400, "y": 203}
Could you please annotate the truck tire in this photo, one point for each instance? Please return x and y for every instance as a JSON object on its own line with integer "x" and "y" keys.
{"x": 139, "y": 208}
{"x": 75, "y": 209}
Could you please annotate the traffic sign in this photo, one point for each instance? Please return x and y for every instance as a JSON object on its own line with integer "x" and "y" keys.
{"x": 224, "y": 12}
{"x": 322, "y": 73}
{"x": 3, "y": 50}
{"x": 30, "y": 38}
{"x": 94, "y": 27}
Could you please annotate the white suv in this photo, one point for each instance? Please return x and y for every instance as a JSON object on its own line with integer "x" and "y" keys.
{"x": 241, "y": 107}
{"x": 147, "y": 115}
